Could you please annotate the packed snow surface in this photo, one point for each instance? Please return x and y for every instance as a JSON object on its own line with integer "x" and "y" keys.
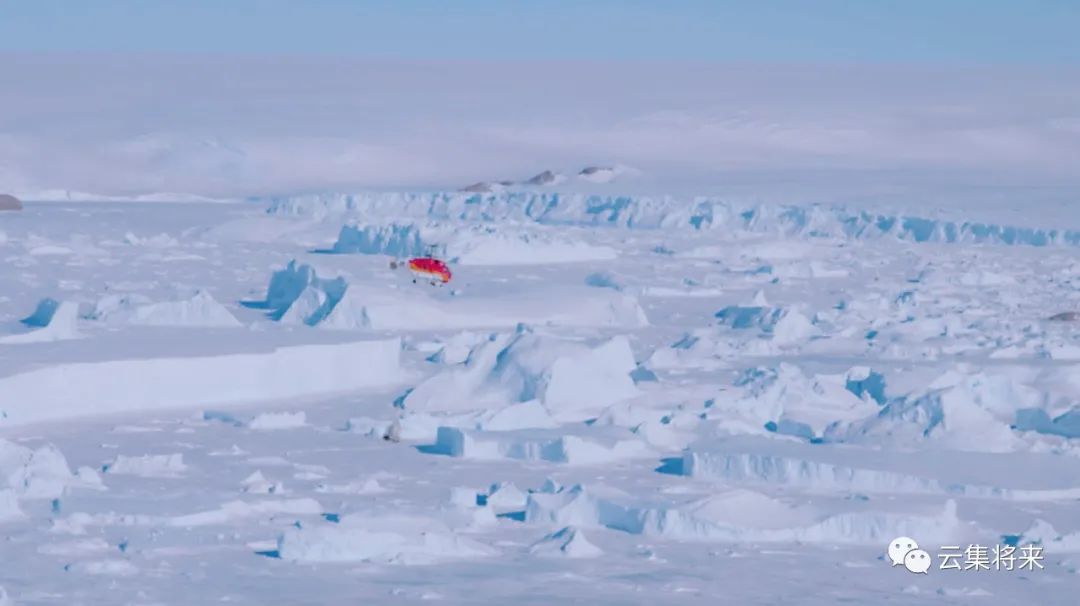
{"x": 615, "y": 400}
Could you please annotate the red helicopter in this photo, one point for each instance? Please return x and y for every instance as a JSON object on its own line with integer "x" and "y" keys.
{"x": 429, "y": 268}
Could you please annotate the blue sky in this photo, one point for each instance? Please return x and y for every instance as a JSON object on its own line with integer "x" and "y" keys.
{"x": 788, "y": 31}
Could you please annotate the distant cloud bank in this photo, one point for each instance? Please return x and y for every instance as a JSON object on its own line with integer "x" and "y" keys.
{"x": 226, "y": 127}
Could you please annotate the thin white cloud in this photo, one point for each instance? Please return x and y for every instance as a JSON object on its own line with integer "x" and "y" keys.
{"x": 232, "y": 127}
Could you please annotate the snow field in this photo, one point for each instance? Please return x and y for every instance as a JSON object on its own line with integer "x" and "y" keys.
{"x": 82, "y": 389}
{"x": 784, "y": 389}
